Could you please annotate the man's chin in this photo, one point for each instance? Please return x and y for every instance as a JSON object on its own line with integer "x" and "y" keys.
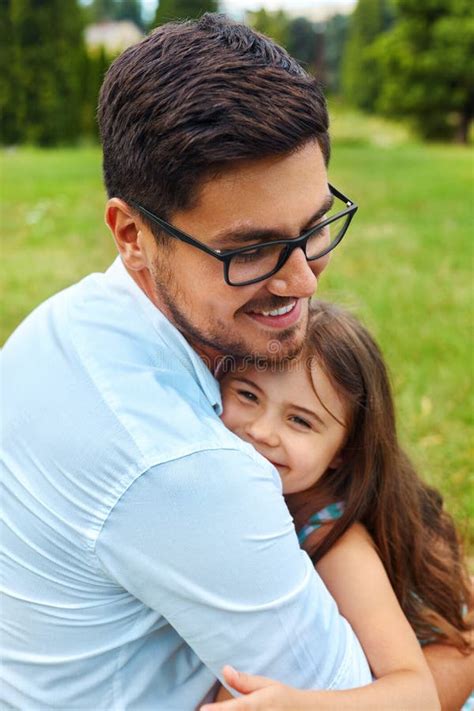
{"x": 278, "y": 352}
{"x": 282, "y": 346}
{"x": 276, "y": 345}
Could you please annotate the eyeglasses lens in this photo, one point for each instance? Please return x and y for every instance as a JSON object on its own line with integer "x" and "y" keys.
{"x": 259, "y": 262}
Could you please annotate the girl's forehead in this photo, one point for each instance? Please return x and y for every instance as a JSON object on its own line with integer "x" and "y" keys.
{"x": 300, "y": 368}
{"x": 278, "y": 374}
{"x": 297, "y": 377}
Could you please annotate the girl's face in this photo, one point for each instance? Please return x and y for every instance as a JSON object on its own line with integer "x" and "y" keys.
{"x": 280, "y": 414}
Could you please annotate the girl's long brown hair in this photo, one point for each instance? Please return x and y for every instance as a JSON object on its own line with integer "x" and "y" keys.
{"x": 415, "y": 537}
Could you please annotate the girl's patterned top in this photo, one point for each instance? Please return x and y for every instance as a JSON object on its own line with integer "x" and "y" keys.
{"x": 332, "y": 513}
{"x": 329, "y": 513}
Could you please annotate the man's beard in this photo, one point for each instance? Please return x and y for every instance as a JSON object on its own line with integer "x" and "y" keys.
{"x": 218, "y": 337}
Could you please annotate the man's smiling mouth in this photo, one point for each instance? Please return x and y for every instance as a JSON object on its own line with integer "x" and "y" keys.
{"x": 280, "y": 317}
{"x": 279, "y": 312}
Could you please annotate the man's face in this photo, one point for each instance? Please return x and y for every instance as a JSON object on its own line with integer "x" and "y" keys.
{"x": 280, "y": 194}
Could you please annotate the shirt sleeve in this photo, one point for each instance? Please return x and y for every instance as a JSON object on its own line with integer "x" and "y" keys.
{"x": 207, "y": 541}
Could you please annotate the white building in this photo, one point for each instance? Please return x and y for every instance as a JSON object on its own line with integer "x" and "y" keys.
{"x": 113, "y": 36}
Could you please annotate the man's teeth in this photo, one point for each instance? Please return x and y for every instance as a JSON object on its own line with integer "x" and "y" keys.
{"x": 279, "y": 312}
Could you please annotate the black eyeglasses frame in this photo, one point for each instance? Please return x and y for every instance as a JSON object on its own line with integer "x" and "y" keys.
{"x": 289, "y": 245}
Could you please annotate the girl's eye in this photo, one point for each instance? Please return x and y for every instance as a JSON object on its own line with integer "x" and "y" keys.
{"x": 299, "y": 421}
{"x": 247, "y": 395}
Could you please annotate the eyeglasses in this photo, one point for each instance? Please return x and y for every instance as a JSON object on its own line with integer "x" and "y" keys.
{"x": 256, "y": 262}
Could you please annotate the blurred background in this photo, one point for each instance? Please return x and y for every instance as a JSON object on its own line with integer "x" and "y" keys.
{"x": 399, "y": 78}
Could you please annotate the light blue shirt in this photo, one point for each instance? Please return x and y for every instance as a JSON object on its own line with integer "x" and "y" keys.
{"x": 145, "y": 545}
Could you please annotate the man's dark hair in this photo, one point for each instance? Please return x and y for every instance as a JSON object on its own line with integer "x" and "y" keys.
{"x": 192, "y": 99}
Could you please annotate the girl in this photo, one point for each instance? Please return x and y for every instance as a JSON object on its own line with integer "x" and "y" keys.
{"x": 378, "y": 535}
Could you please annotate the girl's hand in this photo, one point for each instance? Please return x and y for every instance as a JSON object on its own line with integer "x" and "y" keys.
{"x": 262, "y": 694}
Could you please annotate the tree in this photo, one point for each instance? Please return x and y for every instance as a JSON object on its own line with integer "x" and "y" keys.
{"x": 305, "y": 44}
{"x": 95, "y": 65}
{"x": 335, "y": 36}
{"x": 426, "y": 67}
{"x": 101, "y": 10}
{"x": 12, "y": 99}
{"x": 47, "y": 50}
{"x": 115, "y": 10}
{"x": 183, "y": 9}
{"x": 272, "y": 24}
{"x": 359, "y": 81}
{"x": 130, "y": 10}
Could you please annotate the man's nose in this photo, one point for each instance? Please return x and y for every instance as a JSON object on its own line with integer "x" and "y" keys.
{"x": 262, "y": 430}
{"x": 297, "y": 277}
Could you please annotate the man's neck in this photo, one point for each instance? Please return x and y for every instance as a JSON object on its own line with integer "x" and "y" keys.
{"x": 212, "y": 358}
{"x": 143, "y": 279}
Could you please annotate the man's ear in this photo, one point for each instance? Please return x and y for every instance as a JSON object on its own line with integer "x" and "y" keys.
{"x": 126, "y": 229}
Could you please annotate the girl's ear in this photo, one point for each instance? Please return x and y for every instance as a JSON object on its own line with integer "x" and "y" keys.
{"x": 336, "y": 461}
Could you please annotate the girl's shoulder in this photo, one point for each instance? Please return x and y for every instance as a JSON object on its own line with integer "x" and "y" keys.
{"x": 320, "y": 519}
{"x": 319, "y": 524}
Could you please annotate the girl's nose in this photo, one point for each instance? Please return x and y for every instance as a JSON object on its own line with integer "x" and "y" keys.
{"x": 262, "y": 430}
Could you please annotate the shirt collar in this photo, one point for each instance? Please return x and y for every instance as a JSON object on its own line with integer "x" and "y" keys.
{"x": 175, "y": 341}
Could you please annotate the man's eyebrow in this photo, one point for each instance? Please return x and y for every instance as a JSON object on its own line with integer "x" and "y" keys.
{"x": 251, "y": 235}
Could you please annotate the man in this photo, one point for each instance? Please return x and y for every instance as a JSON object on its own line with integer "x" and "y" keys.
{"x": 146, "y": 544}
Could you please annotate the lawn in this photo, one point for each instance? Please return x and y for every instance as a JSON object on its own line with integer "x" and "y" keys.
{"x": 405, "y": 267}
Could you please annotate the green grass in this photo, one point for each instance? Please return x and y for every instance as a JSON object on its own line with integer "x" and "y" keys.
{"x": 405, "y": 267}
{"x": 53, "y": 228}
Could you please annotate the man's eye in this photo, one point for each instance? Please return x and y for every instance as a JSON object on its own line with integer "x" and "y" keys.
{"x": 252, "y": 255}
{"x": 301, "y": 422}
{"x": 319, "y": 232}
{"x": 247, "y": 395}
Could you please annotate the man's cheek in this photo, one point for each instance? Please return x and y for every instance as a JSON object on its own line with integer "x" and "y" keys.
{"x": 321, "y": 264}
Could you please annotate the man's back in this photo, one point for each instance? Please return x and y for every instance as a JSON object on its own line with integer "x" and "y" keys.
{"x": 111, "y": 512}
{"x": 69, "y": 454}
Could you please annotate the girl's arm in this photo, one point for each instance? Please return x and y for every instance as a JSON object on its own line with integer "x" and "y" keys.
{"x": 453, "y": 673}
{"x": 356, "y": 578}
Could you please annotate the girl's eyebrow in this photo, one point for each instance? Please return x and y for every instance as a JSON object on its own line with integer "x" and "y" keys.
{"x": 248, "y": 382}
{"x": 311, "y": 413}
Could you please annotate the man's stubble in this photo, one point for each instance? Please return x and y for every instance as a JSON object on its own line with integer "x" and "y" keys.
{"x": 217, "y": 337}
